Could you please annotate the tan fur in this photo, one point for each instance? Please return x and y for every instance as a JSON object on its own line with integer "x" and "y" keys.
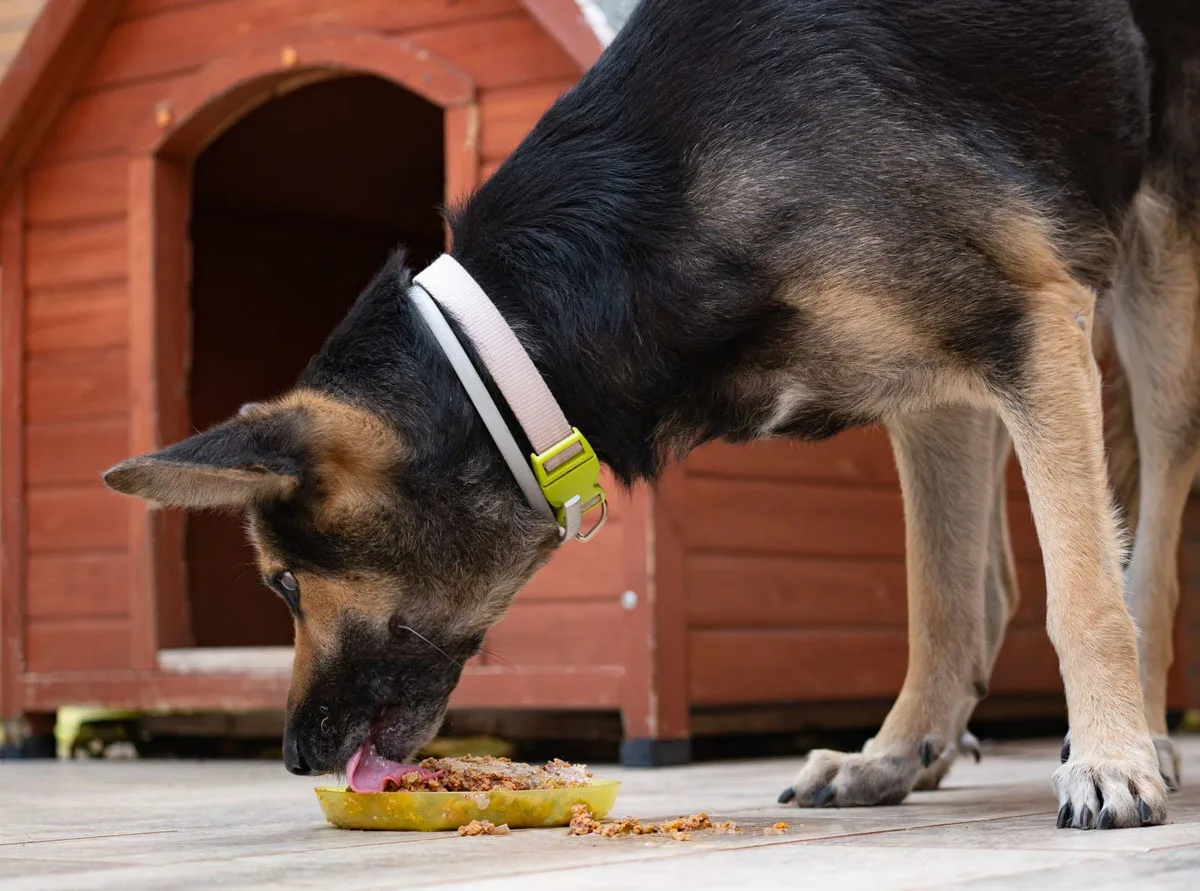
{"x": 354, "y": 449}
{"x": 1156, "y": 329}
{"x": 1057, "y": 431}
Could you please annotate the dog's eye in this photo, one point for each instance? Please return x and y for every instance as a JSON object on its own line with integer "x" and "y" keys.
{"x": 285, "y": 585}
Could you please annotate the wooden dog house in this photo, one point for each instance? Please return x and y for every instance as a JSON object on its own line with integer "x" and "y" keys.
{"x": 193, "y": 191}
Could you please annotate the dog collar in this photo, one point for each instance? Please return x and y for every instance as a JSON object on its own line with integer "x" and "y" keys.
{"x": 561, "y": 477}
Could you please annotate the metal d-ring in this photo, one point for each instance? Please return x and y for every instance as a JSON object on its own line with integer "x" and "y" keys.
{"x": 587, "y": 536}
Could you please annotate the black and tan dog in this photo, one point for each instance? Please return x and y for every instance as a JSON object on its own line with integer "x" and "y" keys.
{"x": 775, "y": 218}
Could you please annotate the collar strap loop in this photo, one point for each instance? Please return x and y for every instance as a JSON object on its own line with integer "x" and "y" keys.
{"x": 560, "y": 479}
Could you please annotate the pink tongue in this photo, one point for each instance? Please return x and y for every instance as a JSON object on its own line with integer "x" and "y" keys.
{"x": 368, "y": 771}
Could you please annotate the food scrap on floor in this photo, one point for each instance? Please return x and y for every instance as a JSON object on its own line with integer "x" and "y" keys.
{"x": 483, "y": 827}
{"x": 679, "y": 828}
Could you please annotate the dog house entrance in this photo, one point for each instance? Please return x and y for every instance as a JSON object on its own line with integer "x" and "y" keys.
{"x": 295, "y": 208}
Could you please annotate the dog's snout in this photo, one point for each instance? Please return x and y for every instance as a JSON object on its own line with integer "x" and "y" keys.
{"x": 293, "y": 756}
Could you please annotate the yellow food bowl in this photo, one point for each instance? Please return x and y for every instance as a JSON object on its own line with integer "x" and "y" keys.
{"x": 440, "y": 811}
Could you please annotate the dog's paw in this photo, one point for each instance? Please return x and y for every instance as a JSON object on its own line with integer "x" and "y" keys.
{"x": 1110, "y": 793}
{"x": 930, "y": 778}
{"x": 1170, "y": 766}
{"x": 865, "y": 779}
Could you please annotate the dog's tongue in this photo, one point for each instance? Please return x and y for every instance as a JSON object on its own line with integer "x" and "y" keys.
{"x": 368, "y": 771}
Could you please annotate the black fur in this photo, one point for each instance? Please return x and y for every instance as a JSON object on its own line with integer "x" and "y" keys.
{"x": 874, "y": 134}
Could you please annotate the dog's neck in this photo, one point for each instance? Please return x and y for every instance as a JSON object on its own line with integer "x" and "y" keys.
{"x": 648, "y": 337}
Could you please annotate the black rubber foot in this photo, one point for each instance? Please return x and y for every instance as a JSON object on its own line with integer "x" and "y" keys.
{"x": 37, "y": 746}
{"x": 646, "y": 752}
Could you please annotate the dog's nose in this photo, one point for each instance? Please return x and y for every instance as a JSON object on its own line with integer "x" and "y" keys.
{"x": 293, "y": 757}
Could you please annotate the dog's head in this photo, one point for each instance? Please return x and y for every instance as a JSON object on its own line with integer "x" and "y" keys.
{"x": 395, "y": 545}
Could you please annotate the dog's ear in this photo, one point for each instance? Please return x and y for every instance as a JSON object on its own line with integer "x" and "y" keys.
{"x": 249, "y": 459}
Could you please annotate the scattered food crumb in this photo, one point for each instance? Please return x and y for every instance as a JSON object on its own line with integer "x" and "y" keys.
{"x": 782, "y": 827}
{"x": 680, "y": 828}
{"x": 777, "y": 829}
{"x": 483, "y": 827}
{"x": 582, "y": 822}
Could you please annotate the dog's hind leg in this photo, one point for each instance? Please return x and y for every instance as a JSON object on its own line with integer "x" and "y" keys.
{"x": 1054, "y": 415}
{"x": 1001, "y": 596}
{"x": 1156, "y": 328}
{"x": 947, "y": 460}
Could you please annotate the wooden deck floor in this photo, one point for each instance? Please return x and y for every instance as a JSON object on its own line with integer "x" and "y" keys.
{"x": 182, "y": 825}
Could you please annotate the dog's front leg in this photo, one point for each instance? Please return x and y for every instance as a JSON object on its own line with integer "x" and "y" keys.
{"x": 1054, "y": 416}
{"x": 951, "y": 465}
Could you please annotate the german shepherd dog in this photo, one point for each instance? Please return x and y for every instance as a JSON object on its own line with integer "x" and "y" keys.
{"x": 784, "y": 218}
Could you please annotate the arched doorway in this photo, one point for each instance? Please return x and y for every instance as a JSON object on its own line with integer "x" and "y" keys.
{"x": 294, "y": 208}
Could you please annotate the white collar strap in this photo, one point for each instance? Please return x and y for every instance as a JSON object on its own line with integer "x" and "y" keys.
{"x": 560, "y": 479}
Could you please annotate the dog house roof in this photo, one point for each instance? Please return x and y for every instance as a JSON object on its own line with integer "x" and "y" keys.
{"x": 45, "y": 45}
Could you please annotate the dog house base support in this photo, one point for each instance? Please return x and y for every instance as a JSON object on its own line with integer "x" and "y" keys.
{"x": 29, "y": 738}
{"x": 645, "y": 752}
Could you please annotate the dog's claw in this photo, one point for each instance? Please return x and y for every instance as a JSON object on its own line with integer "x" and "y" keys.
{"x": 824, "y": 797}
{"x": 1106, "y": 819}
{"x": 1064, "y": 816}
{"x": 1144, "y": 812}
{"x": 787, "y": 796}
{"x": 968, "y": 744}
{"x": 1085, "y": 818}
{"x": 927, "y": 756}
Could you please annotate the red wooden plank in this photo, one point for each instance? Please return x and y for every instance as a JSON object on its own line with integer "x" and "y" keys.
{"x": 507, "y": 115}
{"x": 81, "y": 253}
{"x": 62, "y": 585}
{"x": 486, "y": 170}
{"x": 481, "y": 687}
{"x": 158, "y": 358}
{"x": 12, "y": 451}
{"x": 72, "y": 191}
{"x": 585, "y": 633}
{"x": 565, "y": 21}
{"x": 740, "y": 591}
{"x": 733, "y": 667}
{"x": 74, "y": 451}
{"x": 743, "y": 667}
{"x": 730, "y": 515}
{"x": 383, "y": 14}
{"x": 76, "y": 385}
{"x": 182, "y": 39}
{"x": 36, "y": 84}
{"x": 77, "y": 519}
{"x": 461, "y": 151}
{"x": 749, "y": 515}
{"x": 89, "y": 317}
{"x": 750, "y": 591}
{"x": 500, "y": 52}
{"x": 860, "y": 456}
{"x": 77, "y": 644}
{"x": 101, "y": 122}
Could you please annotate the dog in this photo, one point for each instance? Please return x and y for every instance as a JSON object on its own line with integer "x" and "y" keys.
{"x": 784, "y": 218}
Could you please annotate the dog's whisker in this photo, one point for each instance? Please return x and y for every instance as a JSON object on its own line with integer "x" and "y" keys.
{"x": 493, "y": 656}
{"x": 431, "y": 643}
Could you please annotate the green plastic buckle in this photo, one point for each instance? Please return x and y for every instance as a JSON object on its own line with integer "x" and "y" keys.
{"x": 569, "y": 475}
